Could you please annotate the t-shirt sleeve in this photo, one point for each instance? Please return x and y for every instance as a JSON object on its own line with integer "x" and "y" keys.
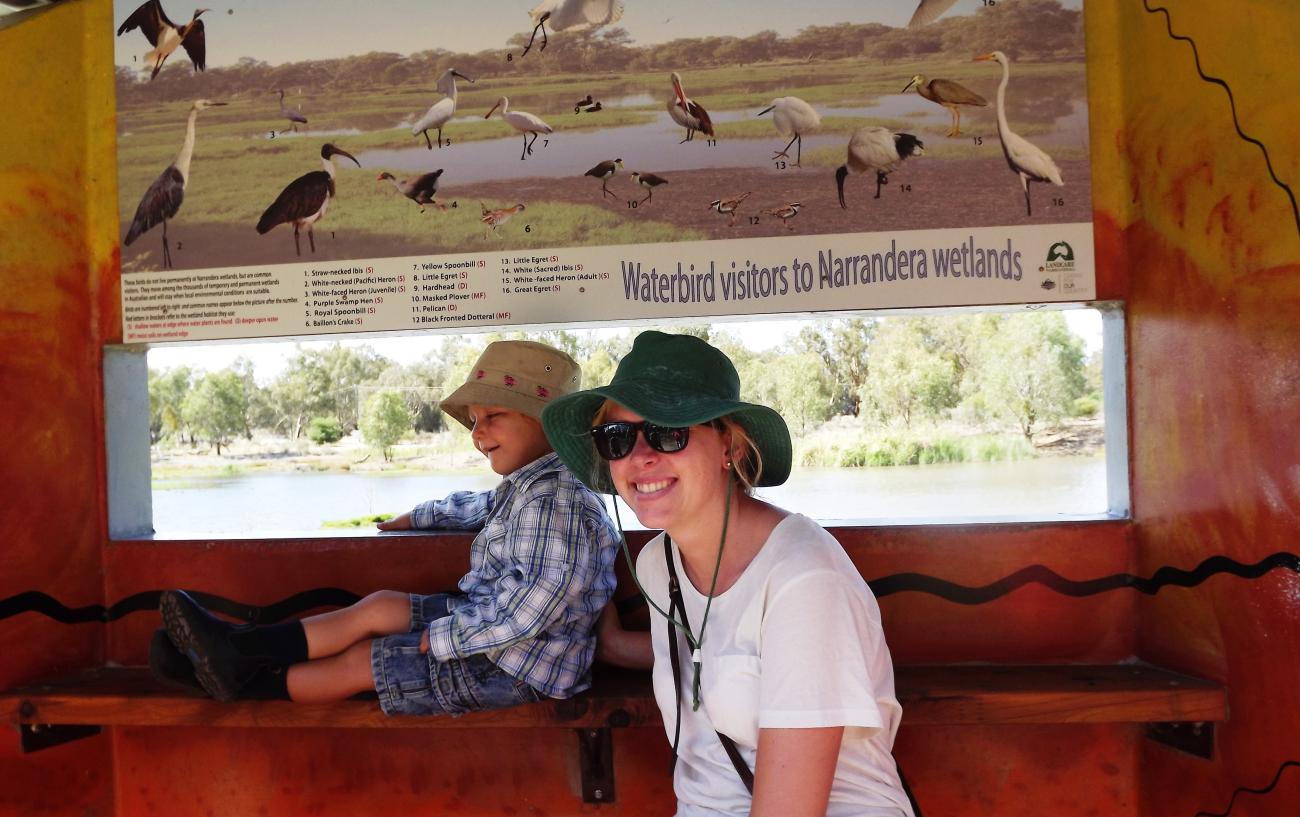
{"x": 821, "y": 645}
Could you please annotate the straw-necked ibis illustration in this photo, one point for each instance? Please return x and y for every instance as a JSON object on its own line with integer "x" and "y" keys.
{"x": 793, "y": 118}
{"x": 572, "y": 15}
{"x": 163, "y": 198}
{"x": 728, "y": 206}
{"x": 878, "y": 150}
{"x": 927, "y": 11}
{"x": 605, "y": 171}
{"x": 165, "y": 36}
{"x": 294, "y": 115}
{"x": 687, "y": 112}
{"x": 305, "y": 200}
{"x": 441, "y": 112}
{"x": 949, "y": 94}
{"x": 492, "y": 219}
{"x": 649, "y": 181}
{"x": 785, "y": 212}
{"x": 521, "y": 121}
{"x": 1028, "y": 161}
{"x": 420, "y": 190}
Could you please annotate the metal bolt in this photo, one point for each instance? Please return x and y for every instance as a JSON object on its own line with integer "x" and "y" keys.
{"x": 599, "y": 794}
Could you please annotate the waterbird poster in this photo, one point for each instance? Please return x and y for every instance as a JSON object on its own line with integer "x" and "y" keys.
{"x": 323, "y": 167}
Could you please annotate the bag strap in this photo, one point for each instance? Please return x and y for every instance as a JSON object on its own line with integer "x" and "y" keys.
{"x": 675, "y": 600}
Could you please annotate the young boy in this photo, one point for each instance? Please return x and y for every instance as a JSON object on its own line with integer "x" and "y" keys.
{"x": 541, "y": 570}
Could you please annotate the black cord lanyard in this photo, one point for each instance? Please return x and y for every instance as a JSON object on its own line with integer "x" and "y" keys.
{"x": 675, "y": 600}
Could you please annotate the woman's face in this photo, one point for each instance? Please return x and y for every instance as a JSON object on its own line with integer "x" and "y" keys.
{"x": 672, "y": 491}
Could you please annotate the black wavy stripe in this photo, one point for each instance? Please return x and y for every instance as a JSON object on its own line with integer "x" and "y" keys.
{"x": 46, "y": 605}
{"x": 1037, "y": 574}
{"x": 1244, "y": 790}
{"x": 1232, "y": 103}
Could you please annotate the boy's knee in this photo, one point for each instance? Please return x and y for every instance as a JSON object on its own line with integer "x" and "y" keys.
{"x": 386, "y": 609}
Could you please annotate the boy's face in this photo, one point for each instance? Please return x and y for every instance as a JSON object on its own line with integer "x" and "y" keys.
{"x": 509, "y": 439}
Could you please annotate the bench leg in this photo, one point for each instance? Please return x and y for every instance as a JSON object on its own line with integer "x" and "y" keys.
{"x": 33, "y": 737}
{"x": 596, "y": 763}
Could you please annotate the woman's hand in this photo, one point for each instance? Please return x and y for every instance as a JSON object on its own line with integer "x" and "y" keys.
{"x": 622, "y": 648}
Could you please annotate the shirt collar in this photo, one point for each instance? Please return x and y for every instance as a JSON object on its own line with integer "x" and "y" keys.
{"x": 522, "y": 476}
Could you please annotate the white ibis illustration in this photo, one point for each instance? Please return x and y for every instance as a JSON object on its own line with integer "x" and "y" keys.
{"x": 793, "y": 117}
{"x": 605, "y": 171}
{"x": 163, "y": 198}
{"x": 441, "y": 112}
{"x": 305, "y": 200}
{"x": 521, "y": 121}
{"x": 729, "y": 206}
{"x": 949, "y": 94}
{"x": 649, "y": 181}
{"x": 572, "y": 15}
{"x": 294, "y": 115}
{"x": 687, "y": 112}
{"x": 165, "y": 36}
{"x": 927, "y": 11}
{"x": 1028, "y": 161}
{"x": 879, "y": 150}
{"x": 495, "y": 218}
{"x": 420, "y": 190}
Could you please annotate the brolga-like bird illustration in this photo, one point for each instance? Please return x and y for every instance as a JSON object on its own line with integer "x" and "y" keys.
{"x": 605, "y": 171}
{"x": 492, "y": 219}
{"x": 927, "y": 11}
{"x": 420, "y": 190}
{"x": 441, "y": 112}
{"x": 1027, "y": 160}
{"x": 165, "y": 36}
{"x": 305, "y": 200}
{"x": 793, "y": 117}
{"x": 729, "y": 206}
{"x": 785, "y": 212}
{"x": 687, "y": 112}
{"x": 949, "y": 94}
{"x": 294, "y": 115}
{"x": 163, "y": 198}
{"x": 649, "y": 181}
{"x": 877, "y": 150}
{"x": 572, "y": 15}
{"x": 521, "y": 121}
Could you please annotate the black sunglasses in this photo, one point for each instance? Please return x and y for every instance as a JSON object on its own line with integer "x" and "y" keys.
{"x": 614, "y": 441}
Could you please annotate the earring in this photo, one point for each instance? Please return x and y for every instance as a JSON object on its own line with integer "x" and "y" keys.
{"x": 728, "y": 465}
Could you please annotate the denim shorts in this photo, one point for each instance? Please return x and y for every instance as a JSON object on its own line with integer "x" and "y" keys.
{"x": 409, "y": 682}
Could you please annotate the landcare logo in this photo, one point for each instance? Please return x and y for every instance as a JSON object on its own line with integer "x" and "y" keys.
{"x": 1060, "y": 261}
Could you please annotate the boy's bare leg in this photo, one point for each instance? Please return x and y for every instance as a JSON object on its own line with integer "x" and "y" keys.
{"x": 334, "y": 678}
{"x": 386, "y": 612}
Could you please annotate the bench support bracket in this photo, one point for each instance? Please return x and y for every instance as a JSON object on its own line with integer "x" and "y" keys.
{"x": 33, "y": 737}
{"x": 596, "y": 764}
{"x": 1193, "y": 738}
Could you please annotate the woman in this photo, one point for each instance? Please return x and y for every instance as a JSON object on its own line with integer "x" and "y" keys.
{"x": 775, "y": 678}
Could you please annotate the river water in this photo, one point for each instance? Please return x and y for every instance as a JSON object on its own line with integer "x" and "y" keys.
{"x": 261, "y": 504}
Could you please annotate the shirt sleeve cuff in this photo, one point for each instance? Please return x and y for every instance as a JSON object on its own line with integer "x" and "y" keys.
{"x": 424, "y": 516}
{"x": 819, "y": 718}
{"x": 441, "y": 643}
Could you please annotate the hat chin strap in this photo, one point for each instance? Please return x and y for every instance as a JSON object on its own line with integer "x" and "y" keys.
{"x": 692, "y": 640}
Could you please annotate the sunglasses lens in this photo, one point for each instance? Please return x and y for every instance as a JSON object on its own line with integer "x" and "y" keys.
{"x": 665, "y": 439}
{"x": 614, "y": 441}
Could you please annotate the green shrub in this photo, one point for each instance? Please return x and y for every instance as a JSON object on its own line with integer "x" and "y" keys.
{"x": 324, "y": 430}
{"x": 1086, "y": 406}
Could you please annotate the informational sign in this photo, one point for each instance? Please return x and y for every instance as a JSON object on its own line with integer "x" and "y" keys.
{"x": 285, "y": 171}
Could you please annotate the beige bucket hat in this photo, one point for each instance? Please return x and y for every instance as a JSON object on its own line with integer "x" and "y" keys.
{"x": 514, "y": 374}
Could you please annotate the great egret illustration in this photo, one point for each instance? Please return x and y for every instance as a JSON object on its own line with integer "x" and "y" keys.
{"x": 728, "y": 206}
{"x": 793, "y": 117}
{"x": 420, "y": 190}
{"x": 305, "y": 200}
{"x": 605, "y": 171}
{"x": 649, "y": 181}
{"x": 949, "y": 94}
{"x": 294, "y": 115}
{"x": 495, "y": 218}
{"x": 572, "y": 15}
{"x": 521, "y": 121}
{"x": 927, "y": 11}
{"x": 441, "y": 112}
{"x": 165, "y": 36}
{"x": 1028, "y": 161}
{"x": 879, "y": 150}
{"x": 163, "y": 198}
{"x": 687, "y": 112}
{"x": 785, "y": 212}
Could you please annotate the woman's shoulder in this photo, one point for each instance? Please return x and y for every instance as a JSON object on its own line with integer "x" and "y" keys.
{"x": 650, "y": 563}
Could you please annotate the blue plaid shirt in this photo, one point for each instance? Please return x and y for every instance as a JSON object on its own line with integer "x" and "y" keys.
{"x": 541, "y": 570}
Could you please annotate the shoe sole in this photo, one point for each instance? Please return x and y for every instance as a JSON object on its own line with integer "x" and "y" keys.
{"x": 183, "y": 637}
{"x": 170, "y": 666}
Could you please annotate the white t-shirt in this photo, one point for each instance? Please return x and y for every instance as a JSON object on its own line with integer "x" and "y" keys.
{"x": 796, "y": 642}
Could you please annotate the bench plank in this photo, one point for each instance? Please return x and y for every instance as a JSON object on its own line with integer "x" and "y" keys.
{"x": 965, "y": 694}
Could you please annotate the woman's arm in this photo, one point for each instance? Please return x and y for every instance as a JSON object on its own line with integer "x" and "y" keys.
{"x": 622, "y": 648}
{"x": 795, "y": 770}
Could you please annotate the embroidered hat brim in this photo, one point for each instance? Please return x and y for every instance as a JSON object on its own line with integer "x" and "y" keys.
{"x": 515, "y": 374}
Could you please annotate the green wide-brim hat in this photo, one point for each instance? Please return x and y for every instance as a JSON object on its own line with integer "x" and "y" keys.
{"x": 670, "y": 380}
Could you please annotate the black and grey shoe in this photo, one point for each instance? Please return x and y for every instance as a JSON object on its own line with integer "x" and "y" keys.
{"x": 169, "y": 664}
{"x": 220, "y": 668}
